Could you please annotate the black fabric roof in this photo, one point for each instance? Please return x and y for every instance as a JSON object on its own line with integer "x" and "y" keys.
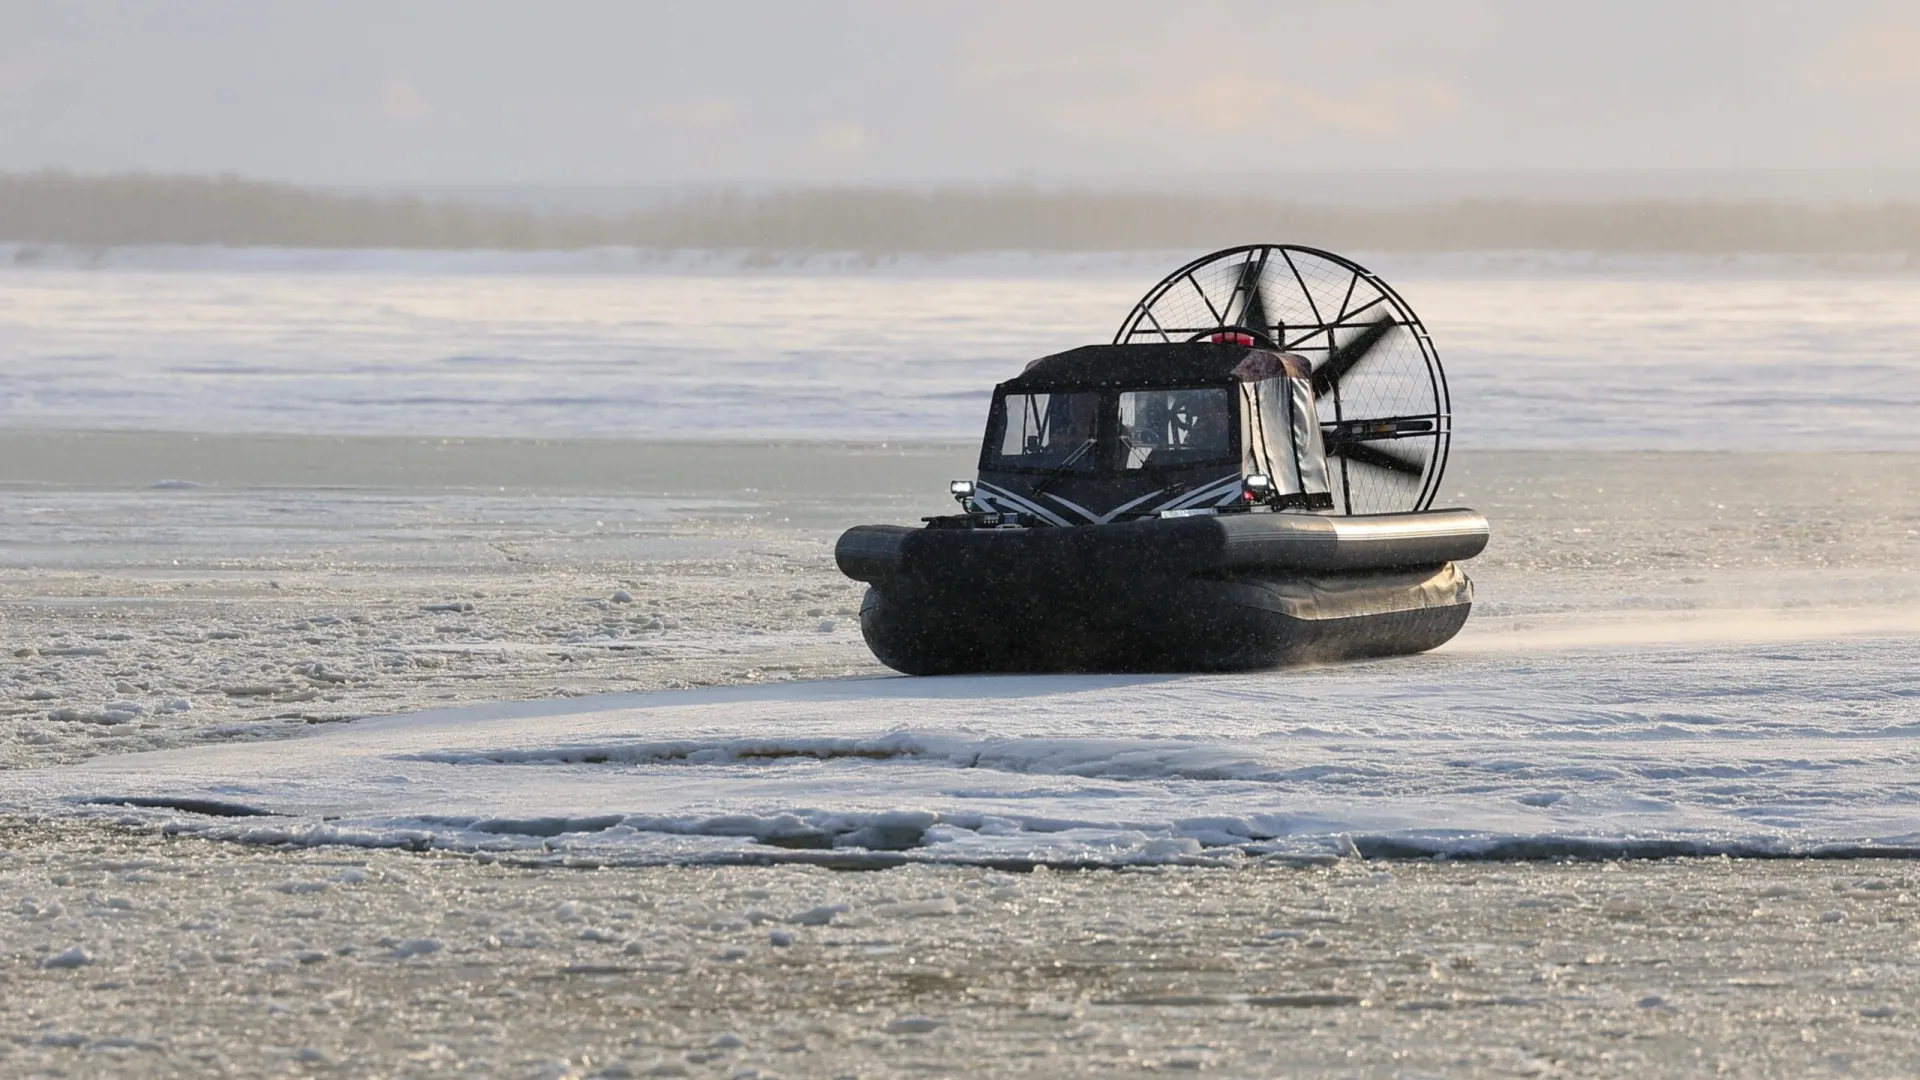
{"x": 1136, "y": 365}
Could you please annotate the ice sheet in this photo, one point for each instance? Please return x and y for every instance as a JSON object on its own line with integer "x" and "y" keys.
{"x": 1551, "y": 727}
{"x": 1757, "y": 749}
{"x": 1543, "y": 349}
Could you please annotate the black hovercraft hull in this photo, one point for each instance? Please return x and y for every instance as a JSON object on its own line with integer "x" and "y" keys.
{"x": 1227, "y": 592}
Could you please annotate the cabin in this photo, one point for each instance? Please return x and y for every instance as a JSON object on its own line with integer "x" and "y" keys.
{"x": 1109, "y": 433}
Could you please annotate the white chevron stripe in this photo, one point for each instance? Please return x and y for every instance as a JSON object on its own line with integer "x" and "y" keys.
{"x": 1218, "y": 493}
{"x": 1227, "y": 486}
{"x": 1124, "y": 507}
{"x": 1102, "y": 519}
{"x": 1017, "y": 503}
{"x": 1092, "y": 519}
{"x": 999, "y": 504}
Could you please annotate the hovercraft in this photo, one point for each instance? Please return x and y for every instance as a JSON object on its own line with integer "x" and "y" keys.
{"x": 1242, "y": 479}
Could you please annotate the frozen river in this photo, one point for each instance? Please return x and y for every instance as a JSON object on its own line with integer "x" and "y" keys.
{"x": 1542, "y": 351}
{"x": 642, "y": 651}
{"x": 1674, "y": 645}
{"x": 296, "y": 537}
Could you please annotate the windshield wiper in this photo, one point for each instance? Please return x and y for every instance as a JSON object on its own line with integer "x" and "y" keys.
{"x": 1061, "y": 469}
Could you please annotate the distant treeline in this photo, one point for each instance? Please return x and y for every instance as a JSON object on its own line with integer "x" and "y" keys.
{"x": 64, "y": 208}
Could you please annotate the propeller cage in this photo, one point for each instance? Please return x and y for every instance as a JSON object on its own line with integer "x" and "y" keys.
{"x": 1383, "y": 411}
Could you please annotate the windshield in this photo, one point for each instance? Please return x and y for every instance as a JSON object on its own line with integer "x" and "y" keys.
{"x": 1161, "y": 428}
{"x": 1081, "y": 431}
{"x": 1048, "y": 431}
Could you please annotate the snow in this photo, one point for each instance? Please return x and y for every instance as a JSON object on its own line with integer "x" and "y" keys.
{"x": 70, "y": 958}
{"x": 1671, "y": 653}
{"x": 1701, "y": 652}
{"x": 1698, "y": 653}
{"x": 1673, "y": 353}
{"x": 1766, "y": 748}
{"x": 1097, "y": 973}
{"x": 413, "y": 947}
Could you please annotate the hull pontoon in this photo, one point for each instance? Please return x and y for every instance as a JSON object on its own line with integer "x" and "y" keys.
{"x": 1184, "y": 594}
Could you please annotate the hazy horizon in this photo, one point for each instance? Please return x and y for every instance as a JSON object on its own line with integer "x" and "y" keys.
{"x": 1326, "y": 187}
{"x": 141, "y": 209}
{"x": 1482, "y": 98}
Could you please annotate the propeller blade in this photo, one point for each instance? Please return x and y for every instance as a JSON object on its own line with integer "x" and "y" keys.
{"x": 1328, "y": 375}
{"x": 1361, "y": 453}
{"x": 1253, "y": 312}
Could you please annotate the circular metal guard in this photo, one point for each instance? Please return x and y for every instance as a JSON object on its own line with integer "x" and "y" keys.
{"x": 1384, "y": 410}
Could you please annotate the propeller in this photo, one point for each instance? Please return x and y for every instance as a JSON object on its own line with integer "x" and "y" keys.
{"x": 1253, "y": 313}
{"x": 1363, "y": 453}
{"x": 1328, "y": 375}
{"x": 1350, "y": 442}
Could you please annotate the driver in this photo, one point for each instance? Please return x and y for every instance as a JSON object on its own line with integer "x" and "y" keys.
{"x": 1201, "y": 422}
{"x": 1075, "y": 424}
{"x": 1208, "y": 432}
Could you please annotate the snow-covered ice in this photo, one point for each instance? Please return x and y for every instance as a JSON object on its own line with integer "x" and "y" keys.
{"x": 1760, "y": 749}
{"x": 1671, "y": 652}
{"x": 1693, "y": 651}
{"x": 247, "y": 960}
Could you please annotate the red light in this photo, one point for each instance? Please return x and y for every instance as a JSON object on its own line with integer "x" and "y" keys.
{"x": 1224, "y": 338}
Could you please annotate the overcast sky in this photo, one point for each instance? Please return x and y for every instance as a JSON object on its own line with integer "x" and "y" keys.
{"x": 628, "y": 92}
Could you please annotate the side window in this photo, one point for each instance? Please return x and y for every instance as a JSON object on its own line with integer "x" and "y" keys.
{"x": 1163, "y": 427}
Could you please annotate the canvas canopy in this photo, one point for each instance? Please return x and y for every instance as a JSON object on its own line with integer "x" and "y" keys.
{"x": 1271, "y": 392}
{"x": 1280, "y": 428}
